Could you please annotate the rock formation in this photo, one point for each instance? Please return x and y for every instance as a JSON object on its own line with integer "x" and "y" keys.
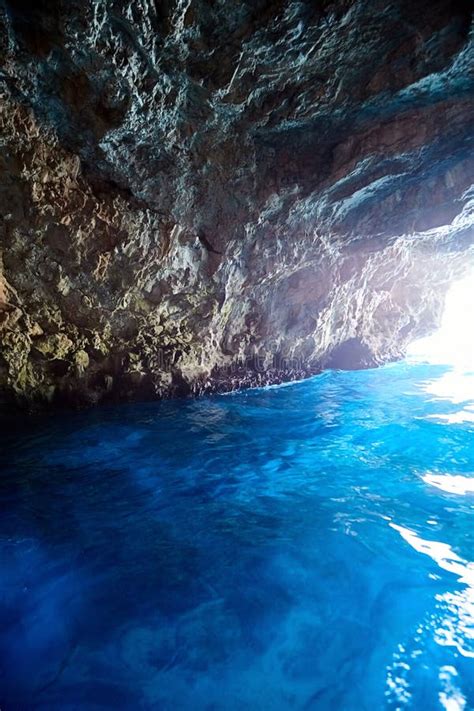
{"x": 206, "y": 194}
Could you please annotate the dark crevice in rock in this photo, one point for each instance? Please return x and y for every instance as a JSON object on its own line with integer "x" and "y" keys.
{"x": 205, "y": 242}
{"x": 350, "y": 355}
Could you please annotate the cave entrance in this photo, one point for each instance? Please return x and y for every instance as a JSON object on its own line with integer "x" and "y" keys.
{"x": 453, "y": 343}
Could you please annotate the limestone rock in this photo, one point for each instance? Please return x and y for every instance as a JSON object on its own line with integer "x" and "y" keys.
{"x": 200, "y": 195}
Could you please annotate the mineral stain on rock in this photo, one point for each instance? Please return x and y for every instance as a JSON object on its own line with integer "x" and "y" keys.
{"x": 201, "y": 195}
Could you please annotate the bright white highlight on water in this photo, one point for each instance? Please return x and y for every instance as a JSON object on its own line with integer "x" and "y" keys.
{"x": 441, "y": 553}
{"x": 451, "y": 699}
{"x": 453, "y": 343}
{"x": 455, "y": 629}
{"x": 451, "y": 483}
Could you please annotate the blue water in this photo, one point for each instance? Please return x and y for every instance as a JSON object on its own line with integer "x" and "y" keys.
{"x": 300, "y": 547}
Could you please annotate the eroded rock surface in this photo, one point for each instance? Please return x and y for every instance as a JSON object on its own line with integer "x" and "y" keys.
{"x": 201, "y": 194}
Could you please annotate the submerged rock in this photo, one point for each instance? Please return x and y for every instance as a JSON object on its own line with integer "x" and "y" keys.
{"x": 203, "y": 195}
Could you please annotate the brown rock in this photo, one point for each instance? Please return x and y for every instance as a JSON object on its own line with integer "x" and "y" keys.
{"x": 227, "y": 195}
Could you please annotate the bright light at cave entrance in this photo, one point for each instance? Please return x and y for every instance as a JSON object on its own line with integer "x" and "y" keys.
{"x": 453, "y": 343}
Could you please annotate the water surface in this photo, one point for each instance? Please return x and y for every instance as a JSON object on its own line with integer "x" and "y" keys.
{"x": 302, "y": 547}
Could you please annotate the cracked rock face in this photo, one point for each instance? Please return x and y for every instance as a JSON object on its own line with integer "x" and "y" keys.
{"x": 208, "y": 194}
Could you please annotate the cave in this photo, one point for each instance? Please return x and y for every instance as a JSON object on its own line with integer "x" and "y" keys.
{"x": 236, "y": 355}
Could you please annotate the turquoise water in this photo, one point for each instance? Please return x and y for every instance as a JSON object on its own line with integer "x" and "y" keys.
{"x": 301, "y": 547}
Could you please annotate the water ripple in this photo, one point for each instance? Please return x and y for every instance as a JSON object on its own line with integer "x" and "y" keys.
{"x": 301, "y": 547}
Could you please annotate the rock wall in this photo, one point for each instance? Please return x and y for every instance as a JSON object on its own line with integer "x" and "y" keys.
{"x": 206, "y": 194}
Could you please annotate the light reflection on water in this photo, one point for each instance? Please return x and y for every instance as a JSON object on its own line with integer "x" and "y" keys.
{"x": 305, "y": 547}
{"x": 451, "y": 483}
